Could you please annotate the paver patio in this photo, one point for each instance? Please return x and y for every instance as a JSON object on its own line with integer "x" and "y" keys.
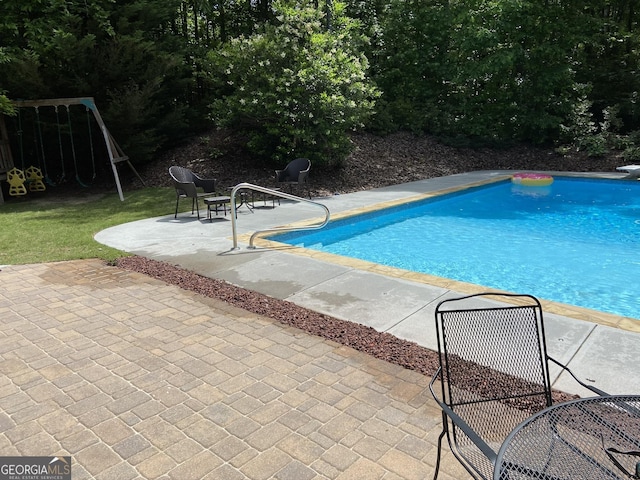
{"x": 134, "y": 378}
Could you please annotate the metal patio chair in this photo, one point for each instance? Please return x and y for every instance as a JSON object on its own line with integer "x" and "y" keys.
{"x": 295, "y": 173}
{"x": 494, "y": 373}
{"x": 190, "y": 185}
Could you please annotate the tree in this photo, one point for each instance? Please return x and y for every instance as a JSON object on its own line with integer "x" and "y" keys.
{"x": 496, "y": 70}
{"x": 295, "y": 88}
{"x": 6, "y": 107}
{"x": 122, "y": 53}
{"x": 611, "y": 60}
{"x": 411, "y": 62}
{"x": 514, "y": 75}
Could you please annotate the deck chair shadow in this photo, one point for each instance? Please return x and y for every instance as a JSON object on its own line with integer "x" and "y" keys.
{"x": 493, "y": 373}
{"x": 190, "y": 185}
{"x": 296, "y": 173}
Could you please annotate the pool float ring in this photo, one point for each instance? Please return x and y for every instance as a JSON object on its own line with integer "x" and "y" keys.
{"x": 532, "y": 179}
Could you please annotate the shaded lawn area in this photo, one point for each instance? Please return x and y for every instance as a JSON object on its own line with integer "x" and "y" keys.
{"x": 48, "y": 227}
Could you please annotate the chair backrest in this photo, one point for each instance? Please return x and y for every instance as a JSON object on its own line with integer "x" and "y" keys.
{"x": 295, "y": 171}
{"x": 181, "y": 174}
{"x": 494, "y": 366}
{"x": 187, "y": 182}
{"x": 183, "y": 181}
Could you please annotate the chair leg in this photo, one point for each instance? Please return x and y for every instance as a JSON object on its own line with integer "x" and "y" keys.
{"x": 177, "y": 200}
{"x": 442, "y": 434}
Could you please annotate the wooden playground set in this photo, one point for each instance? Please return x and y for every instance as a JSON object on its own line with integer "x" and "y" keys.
{"x": 49, "y": 153}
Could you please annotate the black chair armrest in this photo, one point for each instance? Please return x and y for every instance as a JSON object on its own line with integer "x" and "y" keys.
{"x": 207, "y": 184}
{"x": 588, "y": 387}
{"x": 302, "y": 176}
{"x": 461, "y": 424}
{"x": 185, "y": 188}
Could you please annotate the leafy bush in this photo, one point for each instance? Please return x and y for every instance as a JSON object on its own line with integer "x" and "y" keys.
{"x": 297, "y": 88}
{"x": 411, "y": 64}
{"x": 597, "y": 139}
{"x": 112, "y": 51}
{"x": 482, "y": 69}
{"x": 6, "y": 107}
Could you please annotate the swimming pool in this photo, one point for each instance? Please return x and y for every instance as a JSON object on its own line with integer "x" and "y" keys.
{"x": 576, "y": 241}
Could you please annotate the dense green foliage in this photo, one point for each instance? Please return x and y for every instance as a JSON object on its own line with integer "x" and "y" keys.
{"x": 295, "y": 88}
{"x": 543, "y": 71}
{"x": 116, "y": 52}
{"x": 504, "y": 70}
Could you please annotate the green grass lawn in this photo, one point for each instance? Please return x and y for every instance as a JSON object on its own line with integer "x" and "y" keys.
{"x": 46, "y": 227}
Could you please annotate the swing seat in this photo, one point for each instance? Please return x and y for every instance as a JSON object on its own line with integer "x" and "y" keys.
{"x": 35, "y": 177}
{"x": 16, "y": 179}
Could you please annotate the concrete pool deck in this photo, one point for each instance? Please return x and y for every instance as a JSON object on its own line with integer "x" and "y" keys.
{"x": 604, "y": 349}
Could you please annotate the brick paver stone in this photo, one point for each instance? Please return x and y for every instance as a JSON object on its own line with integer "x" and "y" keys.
{"x": 134, "y": 378}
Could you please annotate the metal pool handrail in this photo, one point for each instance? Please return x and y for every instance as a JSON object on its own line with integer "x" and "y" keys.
{"x": 275, "y": 193}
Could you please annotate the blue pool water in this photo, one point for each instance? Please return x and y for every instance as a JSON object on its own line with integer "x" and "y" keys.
{"x": 576, "y": 242}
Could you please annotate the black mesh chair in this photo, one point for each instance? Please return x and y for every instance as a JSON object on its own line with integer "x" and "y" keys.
{"x": 190, "y": 185}
{"x": 295, "y": 173}
{"x": 494, "y": 373}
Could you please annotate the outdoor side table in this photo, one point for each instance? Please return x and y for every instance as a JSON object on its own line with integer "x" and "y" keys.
{"x": 215, "y": 203}
{"x": 246, "y": 198}
{"x": 591, "y": 438}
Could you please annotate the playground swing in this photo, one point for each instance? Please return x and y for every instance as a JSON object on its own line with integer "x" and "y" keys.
{"x": 39, "y": 152}
{"x": 32, "y": 175}
{"x": 61, "y": 147}
{"x": 63, "y": 173}
{"x": 73, "y": 147}
{"x": 19, "y": 178}
{"x": 114, "y": 151}
{"x": 34, "y": 178}
{"x": 16, "y": 180}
